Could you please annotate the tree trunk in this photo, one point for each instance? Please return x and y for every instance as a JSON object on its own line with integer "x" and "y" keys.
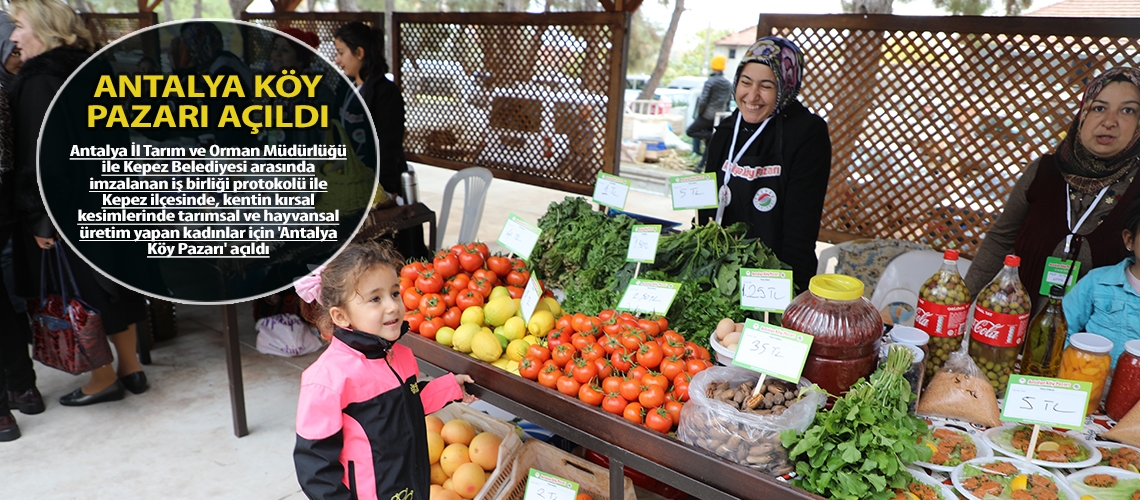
{"x": 166, "y": 10}
{"x": 311, "y": 5}
{"x": 549, "y": 4}
{"x": 197, "y": 9}
{"x": 347, "y": 6}
{"x": 663, "y": 56}
{"x": 869, "y": 6}
{"x": 239, "y": 6}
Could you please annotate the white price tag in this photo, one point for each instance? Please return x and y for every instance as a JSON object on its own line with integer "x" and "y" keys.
{"x": 519, "y": 236}
{"x": 543, "y": 486}
{"x": 530, "y": 297}
{"x": 611, "y": 191}
{"x": 646, "y": 296}
{"x": 768, "y": 290}
{"x": 1046, "y": 401}
{"x": 772, "y": 350}
{"x": 643, "y": 244}
{"x": 693, "y": 191}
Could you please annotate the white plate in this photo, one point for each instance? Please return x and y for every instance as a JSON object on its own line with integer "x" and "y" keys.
{"x": 1024, "y": 467}
{"x": 992, "y": 436}
{"x": 924, "y": 478}
{"x": 1099, "y": 444}
{"x": 984, "y": 449}
{"x": 1076, "y": 480}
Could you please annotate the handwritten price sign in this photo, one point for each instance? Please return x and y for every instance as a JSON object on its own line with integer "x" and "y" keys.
{"x": 531, "y": 295}
{"x": 693, "y": 191}
{"x": 611, "y": 191}
{"x": 646, "y": 296}
{"x": 519, "y": 236}
{"x": 775, "y": 351}
{"x": 1046, "y": 401}
{"x": 543, "y": 486}
{"x": 768, "y": 290}
{"x": 643, "y": 244}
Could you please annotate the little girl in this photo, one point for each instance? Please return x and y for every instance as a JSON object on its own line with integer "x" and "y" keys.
{"x": 360, "y": 418}
{"x": 1107, "y": 300}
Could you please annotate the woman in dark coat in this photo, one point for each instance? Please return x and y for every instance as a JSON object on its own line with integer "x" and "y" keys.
{"x": 772, "y": 157}
{"x": 53, "y": 43}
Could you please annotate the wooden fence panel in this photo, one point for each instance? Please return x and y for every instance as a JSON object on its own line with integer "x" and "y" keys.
{"x": 324, "y": 24}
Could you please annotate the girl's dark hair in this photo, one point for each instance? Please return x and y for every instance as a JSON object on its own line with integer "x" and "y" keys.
{"x": 1132, "y": 218}
{"x": 338, "y": 280}
{"x": 358, "y": 34}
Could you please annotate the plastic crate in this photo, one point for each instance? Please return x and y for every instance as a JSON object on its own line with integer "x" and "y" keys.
{"x": 486, "y": 423}
{"x": 592, "y": 480}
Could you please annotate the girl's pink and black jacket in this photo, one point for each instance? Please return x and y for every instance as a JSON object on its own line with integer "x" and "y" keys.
{"x": 360, "y": 421}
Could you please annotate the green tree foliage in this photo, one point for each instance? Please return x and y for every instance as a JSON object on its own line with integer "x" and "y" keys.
{"x": 693, "y": 62}
{"x": 964, "y": 7}
{"x": 180, "y": 9}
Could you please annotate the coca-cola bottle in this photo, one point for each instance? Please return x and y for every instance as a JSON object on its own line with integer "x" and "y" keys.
{"x": 943, "y": 302}
{"x": 1001, "y": 316}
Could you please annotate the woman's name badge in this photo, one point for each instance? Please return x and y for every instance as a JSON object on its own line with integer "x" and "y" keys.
{"x": 1055, "y": 272}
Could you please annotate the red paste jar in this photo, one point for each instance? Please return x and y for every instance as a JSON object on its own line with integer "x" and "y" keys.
{"x": 846, "y": 327}
{"x": 1125, "y": 390}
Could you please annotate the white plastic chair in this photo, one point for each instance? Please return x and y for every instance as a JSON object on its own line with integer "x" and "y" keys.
{"x": 905, "y": 275}
{"x": 476, "y": 180}
{"x": 829, "y": 257}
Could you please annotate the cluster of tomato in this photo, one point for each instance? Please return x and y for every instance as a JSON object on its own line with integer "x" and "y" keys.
{"x": 636, "y": 368}
{"x": 436, "y": 293}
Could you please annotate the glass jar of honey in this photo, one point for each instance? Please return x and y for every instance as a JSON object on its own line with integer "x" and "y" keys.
{"x": 1087, "y": 359}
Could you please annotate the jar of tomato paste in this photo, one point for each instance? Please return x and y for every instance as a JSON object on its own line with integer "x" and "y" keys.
{"x": 1125, "y": 389}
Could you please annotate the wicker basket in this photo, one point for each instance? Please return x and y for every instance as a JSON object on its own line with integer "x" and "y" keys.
{"x": 592, "y": 480}
{"x": 486, "y": 423}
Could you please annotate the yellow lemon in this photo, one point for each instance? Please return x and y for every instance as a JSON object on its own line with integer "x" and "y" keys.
{"x": 445, "y": 335}
{"x": 461, "y": 341}
{"x": 473, "y": 315}
{"x": 933, "y": 449}
{"x": 1019, "y": 483}
{"x": 530, "y": 339}
{"x": 500, "y": 363}
{"x": 499, "y": 291}
{"x": 541, "y": 306}
{"x": 486, "y": 347}
{"x": 514, "y": 328}
{"x": 518, "y": 307}
{"x": 1048, "y": 446}
{"x": 1088, "y": 497}
{"x": 1130, "y": 466}
{"x": 540, "y": 323}
{"x": 498, "y": 310}
{"x": 517, "y": 349}
{"x": 912, "y": 496}
{"x": 553, "y": 305}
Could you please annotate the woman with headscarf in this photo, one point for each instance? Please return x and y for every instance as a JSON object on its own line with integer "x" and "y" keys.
{"x": 772, "y": 157}
{"x": 1070, "y": 204}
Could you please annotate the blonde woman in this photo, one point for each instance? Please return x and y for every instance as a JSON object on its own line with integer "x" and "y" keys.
{"x": 53, "y": 42}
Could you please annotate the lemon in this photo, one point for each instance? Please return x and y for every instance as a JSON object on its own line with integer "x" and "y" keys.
{"x": 1019, "y": 483}
{"x": 518, "y": 307}
{"x": 552, "y": 304}
{"x": 541, "y": 306}
{"x": 513, "y": 329}
{"x": 502, "y": 341}
{"x": 463, "y": 337}
{"x": 541, "y": 322}
{"x": 499, "y": 291}
{"x": 500, "y": 363}
{"x": 516, "y": 349}
{"x": 530, "y": 339}
{"x": 445, "y": 335}
{"x": 912, "y": 496}
{"x": 473, "y": 315}
{"x": 933, "y": 449}
{"x": 498, "y": 310}
{"x": 486, "y": 347}
{"x": 1048, "y": 446}
{"x": 1088, "y": 497}
{"x": 513, "y": 367}
{"x": 1130, "y": 466}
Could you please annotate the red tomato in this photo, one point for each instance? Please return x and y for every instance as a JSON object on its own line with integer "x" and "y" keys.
{"x": 451, "y": 317}
{"x": 580, "y": 340}
{"x": 411, "y": 298}
{"x": 605, "y": 369}
{"x": 606, "y": 315}
{"x": 672, "y": 348}
{"x": 637, "y": 372}
{"x": 595, "y": 325}
{"x": 631, "y": 342}
{"x": 429, "y": 282}
{"x": 516, "y": 292}
{"x": 491, "y": 277}
{"x": 622, "y": 360}
{"x": 564, "y": 322}
{"x": 583, "y": 371}
{"x": 459, "y": 281}
{"x": 655, "y": 378}
{"x": 568, "y": 386}
{"x": 446, "y": 264}
{"x": 671, "y": 335}
{"x": 634, "y": 413}
{"x": 481, "y": 248}
{"x": 579, "y": 322}
{"x": 590, "y": 394}
{"x": 650, "y": 327}
{"x": 612, "y": 384}
{"x": 414, "y": 319}
{"x": 501, "y": 266}
{"x": 662, "y": 324}
{"x": 614, "y": 403}
{"x": 611, "y": 328}
{"x": 610, "y": 344}
{"x": 562, "y": 354}
{"x": 695, "y": 366}
{"x": 673, "y": 408}
{"x": 406, "y": 283}
{"x": 518, "y": 264}
{"x": 556, "y": 338}
{"x": 529, "y": 368}
{"x": 538, "y": 352}
{"x": 482, "y": 286}
{"x": 470, "y": 260}
{"x": 630, "y": 389}
{"x": 659, "y": 420}
{"x": 432, "y": 304}
{"x": 548, "y": 376}
{"x": 672, "y": 366}
{"x": 412, "y": 270}
{"x": 449, "y": 295}
{"x": 652, "y": 396}
{"x": 591, "y": 351}
{"x": 650, "y": 355}
{"x": 456, "y": 249}
{"x": 469, "y": 298}
{"x": 681, "y": 387}
{"x": 428, "y": 328}
{"x": 515, "y": 278}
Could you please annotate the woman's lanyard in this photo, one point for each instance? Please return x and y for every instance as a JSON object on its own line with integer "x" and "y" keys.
{"x": 732, "y": 161}
{"x": 1081, "y": 221}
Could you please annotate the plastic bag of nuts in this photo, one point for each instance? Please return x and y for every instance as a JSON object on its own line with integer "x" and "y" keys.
{"x": 719, "y": 419}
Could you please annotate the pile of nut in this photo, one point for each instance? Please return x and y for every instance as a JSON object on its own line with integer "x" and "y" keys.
{"x": 774, "y": 396}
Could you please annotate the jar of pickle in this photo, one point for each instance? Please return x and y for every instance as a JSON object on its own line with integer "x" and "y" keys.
{"x": 1041, "y": 356}
{"x": 943, "y": 302}
{"x": 1125, "y": 389}
{"x": 1087, "y": 359}
{"x": 1001, "y": 317}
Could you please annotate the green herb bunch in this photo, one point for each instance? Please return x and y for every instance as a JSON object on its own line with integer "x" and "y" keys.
{"x": 859, "y": 449}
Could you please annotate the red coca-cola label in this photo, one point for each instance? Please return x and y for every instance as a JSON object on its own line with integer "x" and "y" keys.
{"x": 999, "y": 330}
{"x": 940, "y": 320}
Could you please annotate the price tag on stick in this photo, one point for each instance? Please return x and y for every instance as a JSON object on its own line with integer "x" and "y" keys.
{"x": 530, "y": 297}
{"x": 693, "y": 191}
{"x": 646, "y": 296}
{"x": 772, "y": 350}
{"x": 519, "y": 236}
{"x": 1046, "y": 401}
{"x": 543, "y": 486}
{"x": 768, "y": 290}
{"x": 611, "y": 191}
{"x": 643, "y": 244}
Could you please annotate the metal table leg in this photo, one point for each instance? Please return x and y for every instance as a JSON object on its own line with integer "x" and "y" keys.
{"x": 617, "y": 478}
{"x": 233, "y": 368}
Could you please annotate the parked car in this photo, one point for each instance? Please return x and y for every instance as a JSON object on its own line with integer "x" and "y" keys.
{"x": 441, "y": 103}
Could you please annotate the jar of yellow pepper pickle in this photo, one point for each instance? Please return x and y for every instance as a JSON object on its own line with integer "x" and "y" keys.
{"x": 1087, "y": 359}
